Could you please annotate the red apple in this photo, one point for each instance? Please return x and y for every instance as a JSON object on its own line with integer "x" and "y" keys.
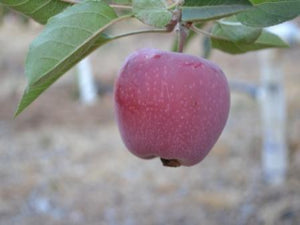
{"x": 170, "y": 105}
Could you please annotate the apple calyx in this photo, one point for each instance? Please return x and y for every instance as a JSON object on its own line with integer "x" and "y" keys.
{"x": 170, "y": 162}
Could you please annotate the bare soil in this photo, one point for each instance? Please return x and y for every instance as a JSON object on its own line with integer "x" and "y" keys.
{"x": 64, "y": 163}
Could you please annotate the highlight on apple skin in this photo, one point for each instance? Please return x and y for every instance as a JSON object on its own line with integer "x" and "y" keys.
{"x": 170, "y": 105}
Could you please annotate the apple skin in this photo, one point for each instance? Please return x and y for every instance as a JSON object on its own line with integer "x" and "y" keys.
{"x": 170, "y": 105}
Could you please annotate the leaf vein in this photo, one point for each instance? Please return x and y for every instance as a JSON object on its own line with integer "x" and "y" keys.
{"x": 88, "y": 12}
{"x": 55, "y": 29}
{"x": 19, "y": 4}
{"x": 49, "y": 57}
{"x": 40, "y": 7}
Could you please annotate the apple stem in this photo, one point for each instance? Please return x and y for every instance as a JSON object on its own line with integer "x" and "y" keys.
{"x": 170, "y": 162}
{"x": 181, "y": 29}
{"x": 180, "y": 41}
{"x": 181, "y": 37}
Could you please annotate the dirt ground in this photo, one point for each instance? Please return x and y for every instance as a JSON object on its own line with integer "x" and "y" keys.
{"x": 64, "y": 163}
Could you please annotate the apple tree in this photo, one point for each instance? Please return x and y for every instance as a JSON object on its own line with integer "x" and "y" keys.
{"x": 74, "y": 29}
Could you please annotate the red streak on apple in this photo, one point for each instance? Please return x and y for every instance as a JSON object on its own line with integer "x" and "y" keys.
{"x": 170, "y": 105}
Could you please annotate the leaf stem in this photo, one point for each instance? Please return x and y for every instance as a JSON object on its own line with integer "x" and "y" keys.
{"x": 200, "y": 31}
{"x": 172, "y": 6}
{"x": 120, "y": 6}
{"x": 111, "y": 5}
{"x": 175, "y": 4}
{"x": 139, "y": 32}
{"x": 70, "y": 1}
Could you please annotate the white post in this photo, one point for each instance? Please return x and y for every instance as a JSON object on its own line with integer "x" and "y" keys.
{"x": 86, "y": 84}
{"x": 273, "y": 106}
{"x": 271, "y": 97}
{"x": 273, "y": 113}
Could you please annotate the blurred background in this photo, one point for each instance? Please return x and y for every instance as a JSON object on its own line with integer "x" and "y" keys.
{"x": 63, "y": 162}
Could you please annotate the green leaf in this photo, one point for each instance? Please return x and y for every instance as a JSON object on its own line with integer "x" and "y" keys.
{"x": 152, "y": 12}
{"x": 66, "y": 39}
{"x": 265, "y": 40}
{"x": 194, "y": 10}
{"x": 234, "y": 31}
{"x": 270, "y": 12}
{"x": 39, "y": 10}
